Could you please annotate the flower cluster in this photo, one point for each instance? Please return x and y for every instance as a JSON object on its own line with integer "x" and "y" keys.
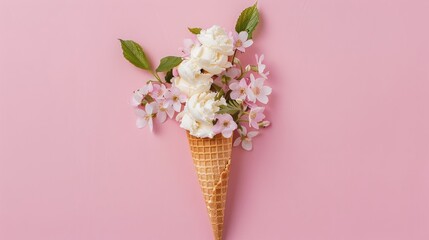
{"x": 155, "y": 100}
{"x": 219, "y": 94}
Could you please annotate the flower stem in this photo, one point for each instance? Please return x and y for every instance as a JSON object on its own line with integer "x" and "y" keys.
{"x": 155, "y": 74}
{"x": 233, "y": 56}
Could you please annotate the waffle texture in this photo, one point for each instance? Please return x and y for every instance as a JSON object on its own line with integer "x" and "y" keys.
{"x": 212, "y": 159}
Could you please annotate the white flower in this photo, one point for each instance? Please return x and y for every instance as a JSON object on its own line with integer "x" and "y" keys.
{"x": 217, "y": 39}
{"x": 257, "y": 90}
{"x": 174, "y": 97}
{"x": 145, "y": 117}
{"x": 200, "y": 129}
{"x": 199, "y": 113}
{"x": 139, "y": 94}
{"x": 158, "y": 91}
{"x": 245, "y": 138}
{"x": 225, "y": 124}
{"x": 137, "y": 98}
{"x": 209, "y": 59}
{"x": 241, "y": 41}
{"x": 165, "y": 109}
{"x": 238, "y": 89}
{"x": 190, "y": 80}
{"x": 261, "y": 66}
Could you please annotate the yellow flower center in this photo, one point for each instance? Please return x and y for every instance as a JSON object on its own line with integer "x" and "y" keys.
{"x": 257, "y": 90}
{"x": 225, "y": 124}
{"x": 252, "y": 115}
{"x": 239, "y": 43}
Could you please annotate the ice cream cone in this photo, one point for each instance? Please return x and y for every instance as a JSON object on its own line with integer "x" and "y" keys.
{"x": 212, "y": 159}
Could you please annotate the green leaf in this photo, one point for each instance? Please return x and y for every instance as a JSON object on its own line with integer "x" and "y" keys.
{"x": 232, "y": 107}
{"x": 134, "y": 53}
{"x": 169, "y": 76}
{"x": 195, "y": 30}
{"x": 248, "y": 20}
{"x": 168, "y": 63}
{"x": 219, "y": 94}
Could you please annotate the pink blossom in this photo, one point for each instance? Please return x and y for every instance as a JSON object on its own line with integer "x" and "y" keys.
{"x": 174, "y": 97}
{"x": 144, "y": 117}
{"x": 165, "y": 110}
{"x": 225, "y": 124}
{"x": 238, "y": 89}
{"x": 250, "y": 104}
{"x": 245, "y": 138}
{"x": 158, "y": 91}
{"x": 257, "y": 90}
{"x": 187, "y": 46}
{"x": 136, "y": 99}
{"x": 256, "y": 115}
{"x": 241, "y": 41}
{"x": 229, "y": 74}
{"x": 139, "y": 94}
{"x": 261, "y": 66}
{"x": 175, "y": 72}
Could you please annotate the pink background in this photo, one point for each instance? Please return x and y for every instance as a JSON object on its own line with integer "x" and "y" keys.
{"x": 347, "y": 156}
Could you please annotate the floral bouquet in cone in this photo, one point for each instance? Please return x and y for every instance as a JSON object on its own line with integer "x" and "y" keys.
{"x": 213, "y": 95}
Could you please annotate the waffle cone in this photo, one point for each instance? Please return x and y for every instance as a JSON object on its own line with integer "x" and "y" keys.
{"x": 212, "y": 159}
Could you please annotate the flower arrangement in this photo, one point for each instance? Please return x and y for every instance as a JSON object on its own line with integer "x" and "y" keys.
{"x": 208, "y": 87}
{"x": 212, "y": 94}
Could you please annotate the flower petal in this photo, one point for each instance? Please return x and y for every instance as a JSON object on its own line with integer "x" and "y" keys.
{"x": 141, "y": 122}
{"x": 149, "y": 108}
{"x": 259, "y": 82}
{"x": 263, "y": 99}
{"x": 243, "y": 35}
{"x": 261, "y": 68}
{"x": 254, "y": 124}
{"x": 243, "y": 83}
{"x": 252, "y": 78}
{"x": 217, "y": 128}
{"x": 136, "y": 100}
{"x": 248, "y": 43}
{"x": 235, "y": 95}
{"x": 233, "y": 125}
{"x": 140, "y": 112}
{"x": 233, "y": 72}
{"x": 177, "y": 106}
{"x": 266, "y": 90}
{"x": 261, "y": 58}
{"x": 253, "y": 134}
{"x": 161, "y": 116}
{"x": 237, "y": 142}
{"x": 234, "y": 86}
{"x": 150, "y": 124}
{"x": 170, "y": 113}
{"x": 227, "y": 133}
{"x": 149, "y": 87}
{"x": 247, "y": 145}
{"x": 250, "y": 95}
{"x": 243, "y": 131}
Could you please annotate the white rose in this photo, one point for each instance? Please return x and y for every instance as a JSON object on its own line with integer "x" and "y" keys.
{"x": 190, "y": 80}
{"x": 209, "y": 59}
{"x": 199, "y": 112}
{"x": 217, "y": 39}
